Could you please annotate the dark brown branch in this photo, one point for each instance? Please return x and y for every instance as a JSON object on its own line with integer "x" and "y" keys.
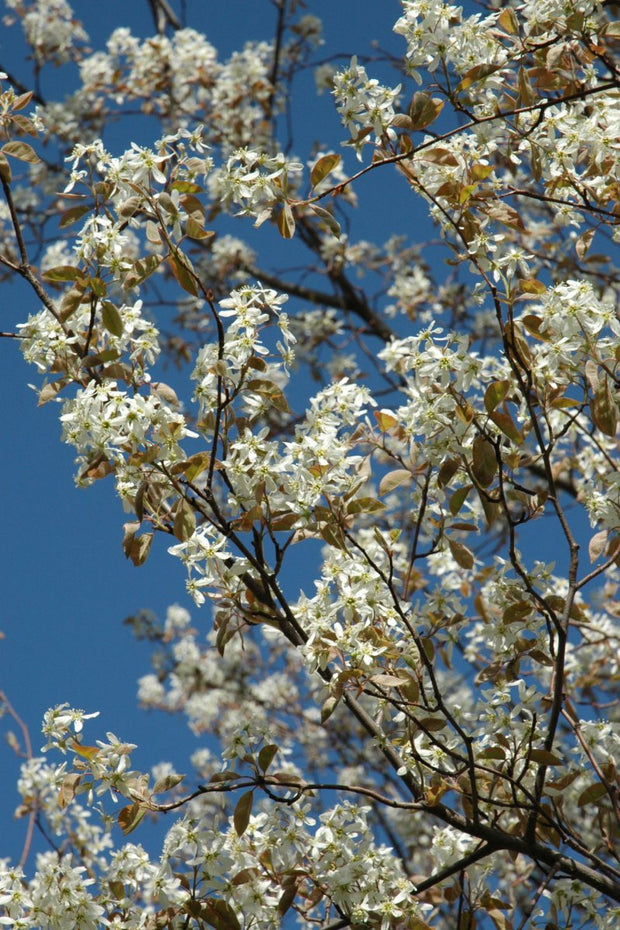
{"x": 348, "y": 302}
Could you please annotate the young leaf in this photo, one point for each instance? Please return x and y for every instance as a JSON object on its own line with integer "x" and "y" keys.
{"x": 266, "y": 756}
{"x": 22, "y": 151}
{"x": 241, "y": 816}
{"x": 181, "y": 270}
{"x": 507, "y": 426}
{"x": 111, "y": 318}
{"x": 592, "y": 793}
{"x": 286, "y": 222}
{"x": 167, "y": 782}
{"x": 130, "y": 817}
{"x": 458, "y": 498}
{"x": 424, "y": 110}
{"x": 544, "y": 757}
{"x": 495, "y": 394}
{"x": 5, "y": 169}
{"x": 394, "y": 479}
{"x": 461, "y": 554}
{"x": 597, "y": 544}
{"x": 62, "y": 273}
{"x": 604, "y": 409}
{"x": 323, "y": 167}
{"x": 72, "y": 215}
{"x": 184, "y": 521}
{"x": 327, "y": 219}
{"x": 219, "y": 914}
{"x": 484, "y": 461}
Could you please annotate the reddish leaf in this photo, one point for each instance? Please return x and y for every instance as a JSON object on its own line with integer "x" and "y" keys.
{"x": 461, "y": 554}
{"x": 130, "y": 817}
{"x": 72, "y": 215}
{"x": 22, "y": 151}
{"x": 424, "y": 110}
{"x": 181, "y": 271}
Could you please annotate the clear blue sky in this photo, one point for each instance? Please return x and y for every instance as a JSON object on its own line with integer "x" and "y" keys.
{"x": 66, "y": 586}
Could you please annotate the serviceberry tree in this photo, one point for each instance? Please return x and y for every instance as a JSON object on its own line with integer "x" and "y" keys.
{"x": 426, "y": 735}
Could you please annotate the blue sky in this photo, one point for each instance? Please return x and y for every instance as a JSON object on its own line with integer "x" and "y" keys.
{"x": 66, "y": 586}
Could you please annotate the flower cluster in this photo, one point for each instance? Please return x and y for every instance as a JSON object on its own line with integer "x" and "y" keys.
{"x": 365, "y": 105}
{"x": 362, "y": 493}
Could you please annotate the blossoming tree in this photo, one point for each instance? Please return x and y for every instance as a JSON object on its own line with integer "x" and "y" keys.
{"x": 427, "y": 734}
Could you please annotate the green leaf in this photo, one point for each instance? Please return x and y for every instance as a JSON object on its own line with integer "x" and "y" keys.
{"x": 323, "y": 167}
{"x": 111, "y": 318}
{"x": 458, "y": 499}
{"x": 327, "y": 219}
{"x": 495, "y": 394}
{"x": 241, "y": 816}
{"x": 62, "y": 273}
